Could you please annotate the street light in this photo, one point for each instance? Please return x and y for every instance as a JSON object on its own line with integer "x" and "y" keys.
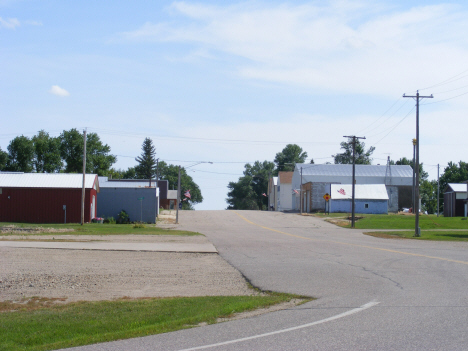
{"x": 178, "y": 187}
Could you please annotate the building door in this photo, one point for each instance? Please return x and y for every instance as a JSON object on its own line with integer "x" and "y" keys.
{"x": 93, "y": 208}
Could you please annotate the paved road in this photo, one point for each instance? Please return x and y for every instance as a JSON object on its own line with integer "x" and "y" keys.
{"x": 373, "y": 294}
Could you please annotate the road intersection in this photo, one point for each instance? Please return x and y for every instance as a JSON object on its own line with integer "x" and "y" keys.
{"x": 372, "y": 293}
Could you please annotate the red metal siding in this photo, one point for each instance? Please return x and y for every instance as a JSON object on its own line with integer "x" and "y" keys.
{"x": 42, "y": 205}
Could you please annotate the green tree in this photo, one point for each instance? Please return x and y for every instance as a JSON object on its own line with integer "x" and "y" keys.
{"x": 3, "y": 159}
{"x": 454, "y": 173}
{"x": 98, "y": 157}
{"x": 428, "y": 192}
{"x": 363, "y": 157}
{"x": 171, "y": 174}
{"x": 286, "y": 159}
{"x": 248, "y": 192}
{"x": 46, "y": 153}
{"x": 71, "y": 150}
{"x": 20, "y": 155}
{"x": 241, "y": 195}
{"x": 146, "y": 168}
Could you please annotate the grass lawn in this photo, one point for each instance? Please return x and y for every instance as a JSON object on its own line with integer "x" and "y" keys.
{"x": 97, "y": 229}
{"x": 36, "y": 326}
{"x": 396, "y": 221}
{"x": 436, "y": 235}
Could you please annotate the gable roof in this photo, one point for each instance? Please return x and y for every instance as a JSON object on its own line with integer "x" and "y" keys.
{"x": 362, "y": 192}
{"x": 285, "y": 177}
{"x": 48, "y": 180}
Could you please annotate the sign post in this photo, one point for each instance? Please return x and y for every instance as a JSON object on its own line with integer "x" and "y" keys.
{"x": 327, "y": 197}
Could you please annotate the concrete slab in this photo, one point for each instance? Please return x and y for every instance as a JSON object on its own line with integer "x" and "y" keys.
{"x": 113, "y": 246}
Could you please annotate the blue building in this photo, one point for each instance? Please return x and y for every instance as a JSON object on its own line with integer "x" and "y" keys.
{"x": 369, "y": 198}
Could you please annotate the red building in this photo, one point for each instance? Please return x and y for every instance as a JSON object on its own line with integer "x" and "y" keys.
{"x": 47, "y": 198}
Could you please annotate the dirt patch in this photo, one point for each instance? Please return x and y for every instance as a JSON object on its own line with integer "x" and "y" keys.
{"x": 13, "y": 229}
{"x": 90, "y": 275}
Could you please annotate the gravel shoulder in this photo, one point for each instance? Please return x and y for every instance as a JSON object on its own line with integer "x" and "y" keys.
{"x": 91, "y": 275}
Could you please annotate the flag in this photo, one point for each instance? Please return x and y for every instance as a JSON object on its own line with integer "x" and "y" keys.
{"x": 297, "y": 192}
{"x": 264, "y": 194}
{"x": 342, "y": 192}
{"x": 187, "y": 194}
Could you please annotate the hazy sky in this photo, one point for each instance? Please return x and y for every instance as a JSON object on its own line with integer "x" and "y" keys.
{"x": 234, "y": 82}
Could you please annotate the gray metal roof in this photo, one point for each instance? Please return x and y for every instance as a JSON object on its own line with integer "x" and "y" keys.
{"x": 105, "y": 182}
{"x": 361, "y": 170}
{"x": 47, "y": 180}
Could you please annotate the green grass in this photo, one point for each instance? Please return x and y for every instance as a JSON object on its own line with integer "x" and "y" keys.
{"x": 435, "y": 235}
{"x": 100, "y": 229}
{"x": 394, "y": 221}
{"x": 83, "y": 323}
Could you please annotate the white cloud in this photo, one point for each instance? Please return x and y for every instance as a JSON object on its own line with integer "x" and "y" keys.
{"x": 56, "y": 90}
{"x": 342, "y": 46}
{"x": 10, "y": 23}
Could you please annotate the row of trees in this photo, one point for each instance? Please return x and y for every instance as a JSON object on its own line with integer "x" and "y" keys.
{"x": 45, "y": 154}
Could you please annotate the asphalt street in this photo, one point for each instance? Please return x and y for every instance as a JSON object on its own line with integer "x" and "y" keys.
{"x": 372, "y": 293}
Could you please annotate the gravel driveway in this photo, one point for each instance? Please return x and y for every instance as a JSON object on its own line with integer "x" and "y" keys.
{"x": 102, "y": 275}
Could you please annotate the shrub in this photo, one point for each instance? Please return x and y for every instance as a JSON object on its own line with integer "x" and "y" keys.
{"x": 123, "y": 217}
{"x": 139, "y": 225}
{"x": 110, "y": 220}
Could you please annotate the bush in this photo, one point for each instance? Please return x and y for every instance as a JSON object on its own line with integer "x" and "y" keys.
{"x": 123, "y": 217}
{"x": 139, "y": 225}
{"x": 110, "y": 220}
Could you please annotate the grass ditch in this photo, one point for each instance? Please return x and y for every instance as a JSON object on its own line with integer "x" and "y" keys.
{"x": 40, "y": 324}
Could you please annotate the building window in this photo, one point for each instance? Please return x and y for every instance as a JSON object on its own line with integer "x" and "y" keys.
{"x": 279, "y": 188}
{"x": 366, "y": 205}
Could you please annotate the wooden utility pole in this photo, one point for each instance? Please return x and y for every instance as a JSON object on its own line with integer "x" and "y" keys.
{"x": 417, "y": 231}
{"x": 83, "y": 194}
{"x": 354, "y": 177}
{"x": 178, "y": 198}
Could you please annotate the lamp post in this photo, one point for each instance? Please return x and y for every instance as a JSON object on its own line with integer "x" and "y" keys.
{"x": 178, "y": 187}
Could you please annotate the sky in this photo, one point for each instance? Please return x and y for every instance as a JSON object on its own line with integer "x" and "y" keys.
{"x": 233, "y": 82}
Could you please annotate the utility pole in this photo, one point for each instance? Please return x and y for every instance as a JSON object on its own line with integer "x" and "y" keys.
{"x": 178, "y": 198}
{"x": 83, "y": 194}
{"x": 269, "y": 189}
{"x": 438, "y": 189}
{"x": 413, "y": 194}
{"x": 300, "y": 192}
{"x": 354, "y": 177}
{"x": 417, "y": 230}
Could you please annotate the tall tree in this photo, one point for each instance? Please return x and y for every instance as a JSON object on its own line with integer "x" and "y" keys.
{"x": 248, "y": 192}
{"x": 146, "y": 168}
{"x": 454, "y": 173}
{"x": 98, "y": 159}
{"x": 3, "y": 159}
{"x": 20, "y": 155}
{"x": 46, "y": 153}
{"x": 241, "y": 195}
{"x": 286, "y": 159}
{"x": 362, "y": 156}
{"x": 171, "y": 174}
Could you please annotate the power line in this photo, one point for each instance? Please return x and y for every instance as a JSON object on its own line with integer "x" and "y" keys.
{"x": 447, "y": 81}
